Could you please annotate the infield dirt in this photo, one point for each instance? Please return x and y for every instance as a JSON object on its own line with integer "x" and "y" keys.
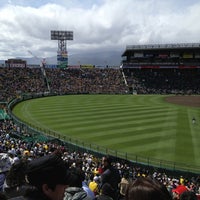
{"x": 192, "y": 101}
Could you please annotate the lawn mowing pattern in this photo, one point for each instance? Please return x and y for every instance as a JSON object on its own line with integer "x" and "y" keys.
{"x": 142, "y": 125}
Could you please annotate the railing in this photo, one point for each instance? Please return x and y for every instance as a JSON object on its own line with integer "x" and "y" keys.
{"x": 75, "y": 144}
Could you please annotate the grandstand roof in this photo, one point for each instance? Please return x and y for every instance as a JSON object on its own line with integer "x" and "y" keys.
{"x": 152, "y": 47}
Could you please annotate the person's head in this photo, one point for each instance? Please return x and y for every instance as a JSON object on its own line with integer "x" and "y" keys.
{"x": 106, "y": 161}
{"x": 188, "y": 195}
{"x": 5, "y": 163}
{"x": 96, "y": 179}
{"x": 126, "y": 175}
{"x": 75, "y": 189}
{"x": 76, "y": 178}
{"x": 147, "y": 189}
{"x": 49, "y": 174}
{"x": 16, "y": 175}
{"x": 107, "y": 190}
{"x": 3, "y": 196}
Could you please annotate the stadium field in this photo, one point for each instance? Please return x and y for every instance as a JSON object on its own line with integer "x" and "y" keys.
{"x": 143, "y": 125}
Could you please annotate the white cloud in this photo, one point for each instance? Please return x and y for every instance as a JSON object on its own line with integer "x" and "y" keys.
{"x": 97, "y": 25}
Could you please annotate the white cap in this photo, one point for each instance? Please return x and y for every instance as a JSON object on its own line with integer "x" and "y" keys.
{"x": 96, "y": 178}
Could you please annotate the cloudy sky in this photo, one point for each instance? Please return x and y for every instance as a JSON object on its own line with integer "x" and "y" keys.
{"x": 98, "y": 25}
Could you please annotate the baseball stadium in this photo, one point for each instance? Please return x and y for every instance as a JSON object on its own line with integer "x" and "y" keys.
{"x": 145, "y": 112}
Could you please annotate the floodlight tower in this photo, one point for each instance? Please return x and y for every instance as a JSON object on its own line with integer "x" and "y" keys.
{"x": 62, "y": 37}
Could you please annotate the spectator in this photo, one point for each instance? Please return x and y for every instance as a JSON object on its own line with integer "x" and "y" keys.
{"x": 89, "y": 192}
{"x": 178, "y": 191}
{"x": 49, "y": 177}
{"x": 188, "y": 195}
{"x": 5, "y": 165}
{"x": 145, "y": 188}
{"x": 3, "y": 196}
{"x": 106, "y": 192}
{"x": 2, "y": 179}
{"x": 123, "y": 185}
{"x": 110, "y": 175}
{"x": 75, "y": 190}
{"x": 15, "y": 184}
{"x": 94, "y": 185}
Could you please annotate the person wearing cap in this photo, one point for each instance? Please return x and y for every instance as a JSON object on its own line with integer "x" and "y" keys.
{"x": 49, "y": 177}
{"x": 94, "y": 185}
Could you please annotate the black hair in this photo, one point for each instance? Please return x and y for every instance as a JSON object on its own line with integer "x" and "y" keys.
{"x": 145, "y": 188}
{"x": 188, "y": 195}
{"x": 76, "y": 177}
{"x": 16, "y": 174}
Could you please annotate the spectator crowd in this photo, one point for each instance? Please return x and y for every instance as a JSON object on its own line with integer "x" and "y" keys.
{"x": 50, "y": 170}
{"x": 19, "y": 81}
{"x": 163, "y": 81}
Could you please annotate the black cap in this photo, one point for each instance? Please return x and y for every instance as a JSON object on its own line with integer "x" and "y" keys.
{"x": 50, "y": 169}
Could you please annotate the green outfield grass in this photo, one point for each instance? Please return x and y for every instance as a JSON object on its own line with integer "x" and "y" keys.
{"x": 143, "y": 125}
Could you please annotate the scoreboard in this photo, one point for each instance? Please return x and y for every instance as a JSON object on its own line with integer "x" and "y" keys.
{"x": 13, "y": 63}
